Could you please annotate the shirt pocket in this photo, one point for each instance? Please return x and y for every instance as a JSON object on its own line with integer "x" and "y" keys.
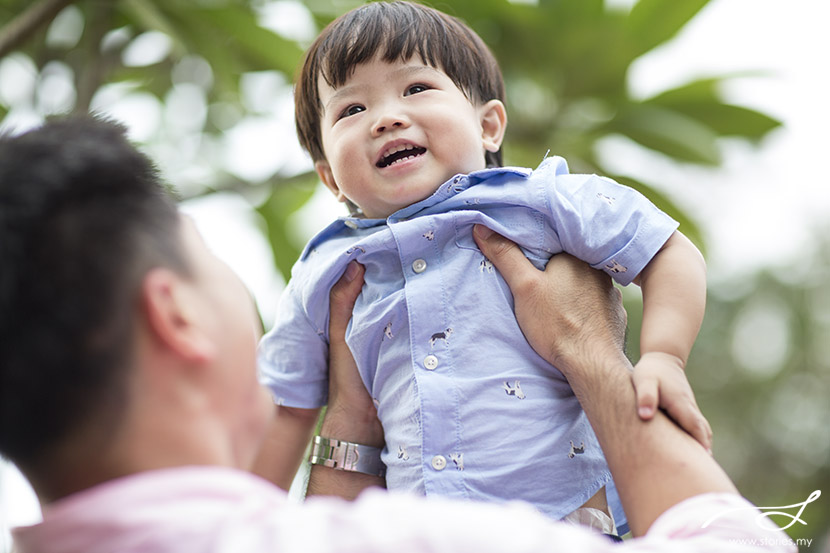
{"x": 522, "y": 225}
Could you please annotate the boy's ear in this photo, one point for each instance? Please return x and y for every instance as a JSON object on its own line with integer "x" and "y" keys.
{"x": 493, "y": 125}
{"x": 324, "y": 172}
{"x": 172, "y": 316}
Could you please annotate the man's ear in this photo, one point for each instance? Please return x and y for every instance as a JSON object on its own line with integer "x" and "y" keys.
{"x": 324, "y": 172}
{"x": 170, "y": 306}
{"x": 493, "y": 125}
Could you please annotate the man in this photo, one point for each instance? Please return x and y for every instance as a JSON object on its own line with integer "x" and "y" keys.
{"x": 129, "y": 397}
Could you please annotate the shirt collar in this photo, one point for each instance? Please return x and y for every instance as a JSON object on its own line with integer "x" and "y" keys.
{"x": 453, "y": 186}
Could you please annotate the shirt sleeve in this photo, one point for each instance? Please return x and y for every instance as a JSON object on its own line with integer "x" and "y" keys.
{"x": 612, "y": 227}
{"x": 293, "y": 357}
{"x": 385, "y": 521}
{"x": 716, "y": 522}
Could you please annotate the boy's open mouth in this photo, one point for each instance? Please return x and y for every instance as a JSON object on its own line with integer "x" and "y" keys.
{"x": 399, "y": 153}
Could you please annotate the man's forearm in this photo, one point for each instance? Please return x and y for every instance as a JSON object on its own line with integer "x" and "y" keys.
{"x": 351, "y": 415}
{"x": 655, "y": 464}
{"x": 285, "y": 444}
{"x": 344, "y": 424}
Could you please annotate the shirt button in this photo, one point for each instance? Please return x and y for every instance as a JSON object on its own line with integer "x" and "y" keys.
{"x": 439, "y": 462}
{"x": 419, "y": 265}
{"x": 430, "y": 362}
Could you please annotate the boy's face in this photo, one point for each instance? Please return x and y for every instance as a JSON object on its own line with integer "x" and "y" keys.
{"x": 394, "y": 132}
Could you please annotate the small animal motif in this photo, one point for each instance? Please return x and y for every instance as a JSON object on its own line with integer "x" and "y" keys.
{"x": 402, "y": 453}
{"x": 607, "y": 199}
{"x": 353, "y": 249}
{"x": 576, "y": 450}
{"x": 515, "y": 390}
{"x": 615, "y": 267}
{"x": 387, "y": 332}
{"x": 485, "y": 265}
{"x": 474, "y": 201}
{"x": 458, "y": 460}
{"x": 429, "y": 235}
{"x": 439, "y": 336}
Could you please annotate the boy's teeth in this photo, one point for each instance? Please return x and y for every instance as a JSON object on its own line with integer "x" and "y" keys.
{"x": 394, "y": 154}
{"x": 399, "y": 148}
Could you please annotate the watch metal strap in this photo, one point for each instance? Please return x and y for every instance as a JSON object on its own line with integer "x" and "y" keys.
{"x": 349, "y": 456}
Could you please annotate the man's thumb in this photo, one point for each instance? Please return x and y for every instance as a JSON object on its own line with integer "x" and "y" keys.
{"x": 504, "y": 254}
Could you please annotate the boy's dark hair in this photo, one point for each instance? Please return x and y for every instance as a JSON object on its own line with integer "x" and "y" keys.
{"x": 394, "y": 31}
{"x": 83, "y": 216}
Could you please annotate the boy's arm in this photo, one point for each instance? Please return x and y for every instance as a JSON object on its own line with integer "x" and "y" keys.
{"x": 674, "y": 300}
{"x": 285, "y": 444}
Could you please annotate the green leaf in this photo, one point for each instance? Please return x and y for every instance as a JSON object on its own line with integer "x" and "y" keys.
{"x": 653, "y": 22}
{"x": 261, "y": 48}
{"x": 148, "y": 17}
{"x": 285, "y": 199}
{"x": 700, "y": 100}
{"x": 669, "y": 132}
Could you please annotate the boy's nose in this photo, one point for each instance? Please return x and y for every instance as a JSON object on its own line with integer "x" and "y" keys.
{"x": 389, "y": 122}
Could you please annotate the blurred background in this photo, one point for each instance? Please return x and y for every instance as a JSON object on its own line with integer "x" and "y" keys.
{"x": 715, "y": 109}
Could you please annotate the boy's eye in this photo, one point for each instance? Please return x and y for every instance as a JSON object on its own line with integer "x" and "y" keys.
{"x": 416, "y": 88}
{"x": 352, "y": 110}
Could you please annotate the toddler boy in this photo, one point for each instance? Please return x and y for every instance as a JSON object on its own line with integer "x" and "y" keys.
{"x": 401, "y": 108}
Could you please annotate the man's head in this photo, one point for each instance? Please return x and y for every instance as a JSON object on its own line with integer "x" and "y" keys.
{"x": 362, "y": 73}
{"x": 98, "y": 274}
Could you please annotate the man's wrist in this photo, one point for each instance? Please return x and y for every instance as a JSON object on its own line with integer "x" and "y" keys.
{"x": 347, "y": 456}
{"x": 358, "y": 426}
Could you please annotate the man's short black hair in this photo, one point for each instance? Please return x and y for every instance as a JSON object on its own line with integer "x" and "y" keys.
{"x": 83, "y": 217}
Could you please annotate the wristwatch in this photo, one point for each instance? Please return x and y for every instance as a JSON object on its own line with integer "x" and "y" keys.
{"x": 349, "y": 456}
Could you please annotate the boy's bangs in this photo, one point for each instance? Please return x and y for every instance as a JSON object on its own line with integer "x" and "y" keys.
{"x": 397, "y": 35}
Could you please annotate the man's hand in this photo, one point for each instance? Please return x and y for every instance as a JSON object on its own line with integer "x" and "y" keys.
{"x": 351, "y": 413}
{"x": 660, "y": 381}
{"x": 573, "y": 316}
{"x": 569, "y": 318}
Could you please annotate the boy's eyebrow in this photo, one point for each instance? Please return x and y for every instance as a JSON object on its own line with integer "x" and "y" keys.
{"x": 406, "y": 71}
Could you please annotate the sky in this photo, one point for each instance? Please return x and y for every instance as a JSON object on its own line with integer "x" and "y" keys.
{"x": 762, "y": 209}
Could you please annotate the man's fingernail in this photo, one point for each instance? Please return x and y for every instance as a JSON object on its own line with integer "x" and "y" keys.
{"x": 644, "y": 412}
{"x": 482, "y": 231}
{"x": 351, "y": 271}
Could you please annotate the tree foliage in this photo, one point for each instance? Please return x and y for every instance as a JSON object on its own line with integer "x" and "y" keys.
{"x": 565, "y": 64}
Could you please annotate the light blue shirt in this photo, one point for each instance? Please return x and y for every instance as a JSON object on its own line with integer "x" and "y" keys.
{"x": 468, "y": 408}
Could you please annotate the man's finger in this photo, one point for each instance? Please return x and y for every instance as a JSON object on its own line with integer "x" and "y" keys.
{"x": 504, "y": 254}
